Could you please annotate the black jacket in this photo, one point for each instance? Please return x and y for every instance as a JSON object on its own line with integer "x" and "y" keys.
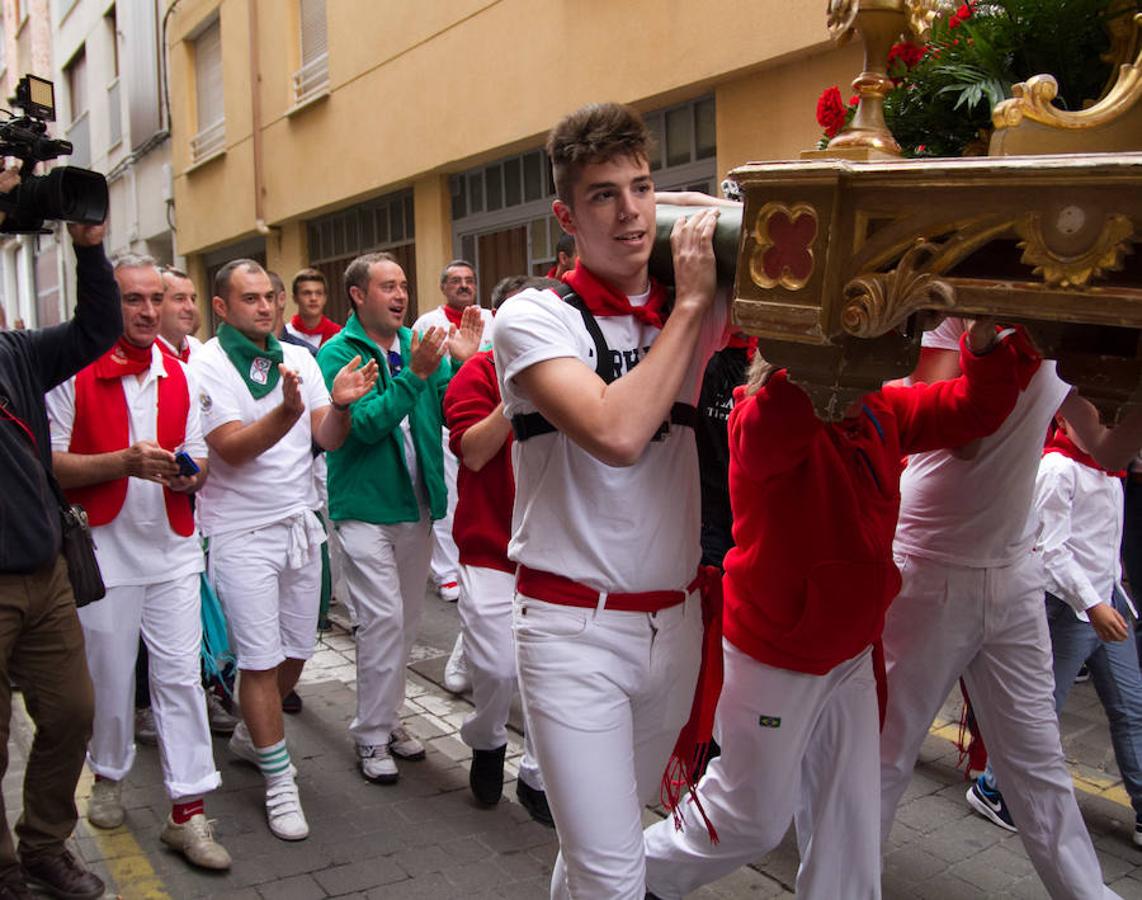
{"x": 31, "y": 364}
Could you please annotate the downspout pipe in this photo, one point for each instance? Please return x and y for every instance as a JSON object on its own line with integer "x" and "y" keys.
{"x": 256, "y": 120}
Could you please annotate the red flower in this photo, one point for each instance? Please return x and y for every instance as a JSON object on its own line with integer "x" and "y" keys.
{"x": 831, "y": 113}
{"x": 960, "y": 16}
{"x": 854, "y": 100}
{"x": 908, "y": 54}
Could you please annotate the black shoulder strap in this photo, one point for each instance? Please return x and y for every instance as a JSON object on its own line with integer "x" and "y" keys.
{"x": 604, "y": 365}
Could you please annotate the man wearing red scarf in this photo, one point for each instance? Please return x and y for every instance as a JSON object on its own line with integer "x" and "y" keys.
{"x": 179, "y": 317}
{"x": 310, "y": 324}
{"x": 458, "y": 285}
{"x": 608, "y": 625}
{"x": 116, "y": 427}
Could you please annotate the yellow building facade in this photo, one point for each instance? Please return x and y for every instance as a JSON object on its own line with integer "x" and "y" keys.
{"x": 307, "y": 131}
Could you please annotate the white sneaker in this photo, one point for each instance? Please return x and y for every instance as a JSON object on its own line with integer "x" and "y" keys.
{"x": 242, "y": 746}
{"x": 194, "y": 839}
{"x": 283, "y": 811}
{"x": 457, "y": 678}
{"x": 404, "y": 746}
{"x": 449, "y": 591}
{"x": 105, "y": 808}
{"x": 377, "y": 764}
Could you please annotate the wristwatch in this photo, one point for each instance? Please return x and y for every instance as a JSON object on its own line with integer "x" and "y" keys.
{"x": 340, "y": 407}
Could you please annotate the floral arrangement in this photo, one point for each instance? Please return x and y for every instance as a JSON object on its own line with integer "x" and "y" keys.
{"x": 945, "y": 89}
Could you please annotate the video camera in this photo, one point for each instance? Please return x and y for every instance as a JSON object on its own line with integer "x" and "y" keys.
{"x": 67, "y": 192}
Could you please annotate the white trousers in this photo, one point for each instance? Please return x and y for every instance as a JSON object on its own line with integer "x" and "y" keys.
{"x": 169, "y": 617}
{"x": 793, "y": 745}
{"x": 486, "y": 621}
{"x": 445, "y": 555}
{"x": 386, "y": 567}
{"x": 989, "y": 625}
{"x": 605, "y": 694}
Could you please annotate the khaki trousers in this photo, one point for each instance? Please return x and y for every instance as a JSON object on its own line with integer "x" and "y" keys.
{"x": 41, "y": 649}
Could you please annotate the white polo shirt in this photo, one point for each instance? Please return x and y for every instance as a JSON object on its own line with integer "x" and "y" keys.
{"x": 275, "y": 485}
{"x": 138, "y": 546}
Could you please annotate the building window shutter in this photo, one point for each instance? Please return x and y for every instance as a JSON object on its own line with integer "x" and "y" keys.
{"x": 210, "y": 108}
{"x": 314, "y": 39}
{"x": 312, "y": 79}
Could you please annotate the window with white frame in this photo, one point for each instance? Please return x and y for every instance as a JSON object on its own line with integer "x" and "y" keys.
{"x": 312, "y": 79}
{"x": 75, "y": 76}
{"x": 210, "y": 137}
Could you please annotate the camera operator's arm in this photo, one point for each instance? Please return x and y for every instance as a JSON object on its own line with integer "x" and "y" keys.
{"x": 62, "y": 350}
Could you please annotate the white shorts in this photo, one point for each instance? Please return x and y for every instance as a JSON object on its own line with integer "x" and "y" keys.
{"x": 269, "y": 582}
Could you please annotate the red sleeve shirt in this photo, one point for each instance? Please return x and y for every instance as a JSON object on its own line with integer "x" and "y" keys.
{"x": 481, "y": 525}
{"x": 815, "y": 506}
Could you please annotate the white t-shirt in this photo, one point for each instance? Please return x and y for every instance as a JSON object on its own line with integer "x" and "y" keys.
{"x": 1078, "y": 516}
{"x": 138, "y": 546}
{"x": 438, "y": 318}
{"x": 615, "y": 529}
{"x": 976, "y": 512}
{"x": 280, "y": 482}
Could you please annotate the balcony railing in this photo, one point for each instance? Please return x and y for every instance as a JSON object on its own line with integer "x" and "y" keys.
{"x": 79, "y": 133}
{"x": 208, "y": 141}
{"x": 114, "y": 114}
{"x": 311, "y": 79}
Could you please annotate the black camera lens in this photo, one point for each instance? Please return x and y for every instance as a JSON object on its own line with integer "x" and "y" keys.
{"x": 68, "y": 193}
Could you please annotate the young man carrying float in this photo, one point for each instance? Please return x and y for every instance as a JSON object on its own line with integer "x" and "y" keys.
{"x": 607, "y": 497}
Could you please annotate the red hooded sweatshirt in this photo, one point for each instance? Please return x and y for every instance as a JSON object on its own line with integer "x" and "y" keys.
{"x": 482, "y": 522}
{"x": 815, "y": 505}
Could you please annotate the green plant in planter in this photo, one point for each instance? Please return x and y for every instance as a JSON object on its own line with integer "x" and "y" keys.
{"x": 946, "y": 89}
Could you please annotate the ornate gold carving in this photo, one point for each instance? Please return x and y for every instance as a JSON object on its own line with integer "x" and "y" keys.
{"x": 922, "y": 13}
{"x": 841, "y": 16}
{"x": 879, "y": 301}
{"x": 784, "y": 253}
{"x": 1073, "y": 270}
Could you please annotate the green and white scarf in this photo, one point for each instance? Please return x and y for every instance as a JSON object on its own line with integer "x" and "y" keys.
{"x": 258, "y": 367}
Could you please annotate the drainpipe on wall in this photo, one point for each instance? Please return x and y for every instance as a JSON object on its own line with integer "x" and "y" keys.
{"x": 256, "y": 116}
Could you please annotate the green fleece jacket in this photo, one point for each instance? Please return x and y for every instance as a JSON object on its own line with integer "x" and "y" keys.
{"x": 368, "y": 478}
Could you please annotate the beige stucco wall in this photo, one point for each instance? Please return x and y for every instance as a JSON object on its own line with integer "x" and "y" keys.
{"x": 422, "y": 90}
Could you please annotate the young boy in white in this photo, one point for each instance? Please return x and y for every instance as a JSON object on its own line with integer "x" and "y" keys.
{"x": 972, "y": 603}
{"x": 606, "y": 517}
{"x": 263, "y": 405}
{"x": 115, "y": 429}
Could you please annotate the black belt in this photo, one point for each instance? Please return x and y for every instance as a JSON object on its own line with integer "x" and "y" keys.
{"x": 529, "y": 425}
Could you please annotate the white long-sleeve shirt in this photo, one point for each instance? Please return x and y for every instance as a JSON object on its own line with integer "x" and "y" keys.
{"x": 1079, "y": 513}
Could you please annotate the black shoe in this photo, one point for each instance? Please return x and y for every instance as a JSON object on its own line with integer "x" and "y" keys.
{"x": 535, "y": 802}
{"x": 291, "y": 703}
{"x": 486, "y": 777}
{"x": 63, "y": 876}
{"x": 13, "y": 887}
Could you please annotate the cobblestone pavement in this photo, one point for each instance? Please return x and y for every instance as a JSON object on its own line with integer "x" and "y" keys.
{"x": 425, "y": 837}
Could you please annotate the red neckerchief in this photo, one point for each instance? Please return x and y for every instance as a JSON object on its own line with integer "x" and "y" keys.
{"x": 739, "y": 339}
{"x": 122, "y": 359}
{"x": 604, "y": 300}
{"x": 452, "y": 314}
{"x": 325, "y": 328}
{"x": 1060, "y": 443}
{"x": 165, "y": 348}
